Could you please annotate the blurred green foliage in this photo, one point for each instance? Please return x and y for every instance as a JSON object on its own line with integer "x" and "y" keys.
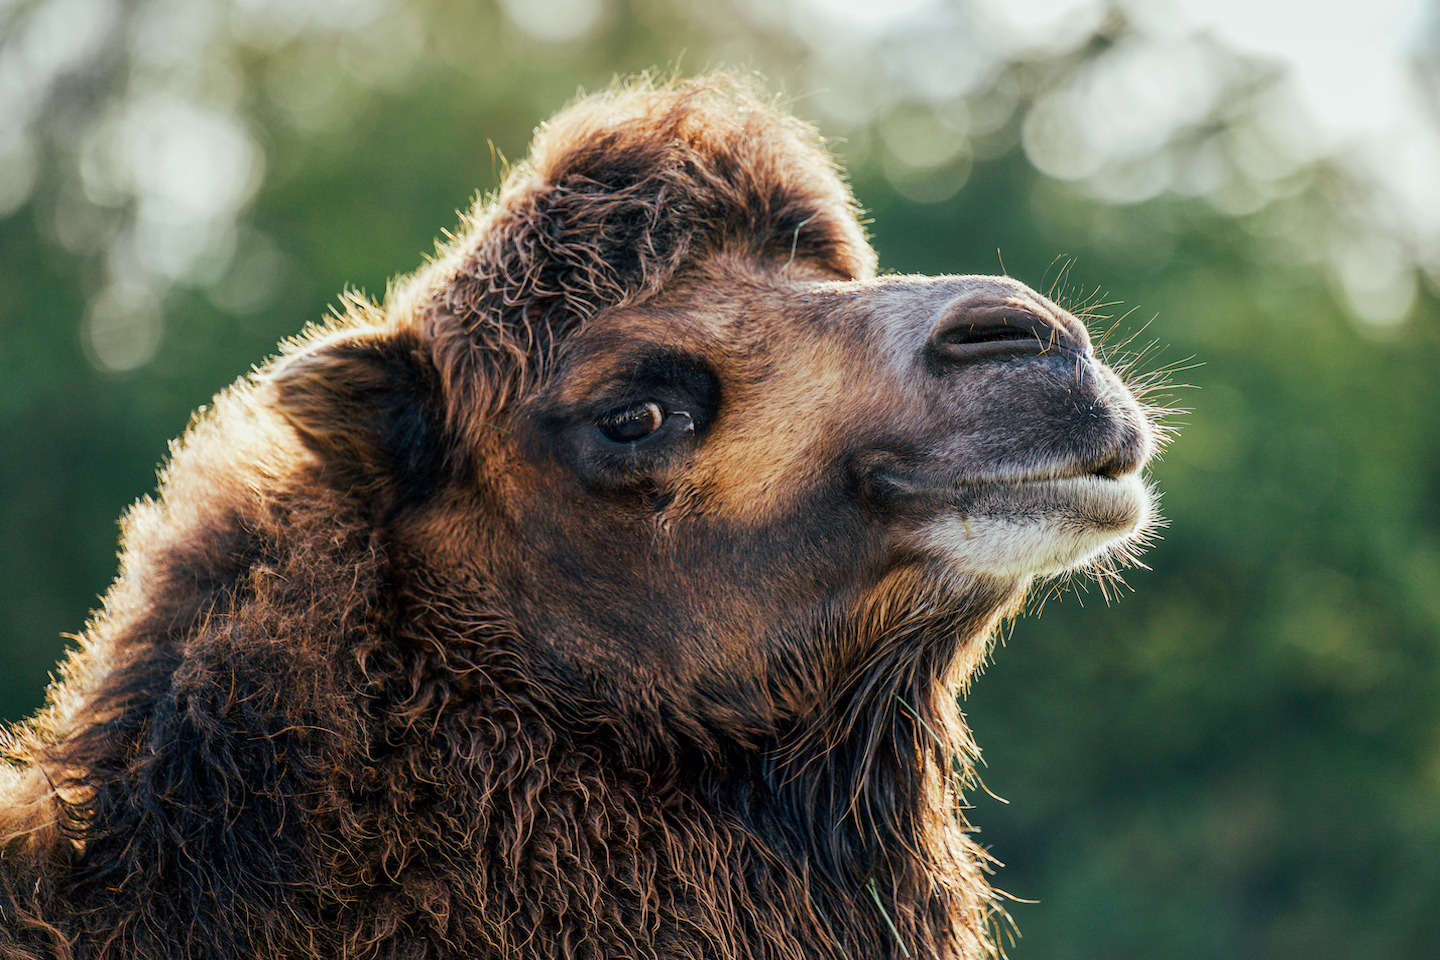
{"x": 1240, "y": 759}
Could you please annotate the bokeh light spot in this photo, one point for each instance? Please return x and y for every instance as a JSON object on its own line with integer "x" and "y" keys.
{"x": 554, "y": 21}
{"x": 123, "y": 329}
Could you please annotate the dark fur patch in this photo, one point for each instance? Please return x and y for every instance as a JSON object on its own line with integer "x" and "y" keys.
{"x": 370, "y": 409}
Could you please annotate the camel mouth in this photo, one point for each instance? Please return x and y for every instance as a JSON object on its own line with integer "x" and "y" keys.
{"x": 1029, "y": 525}
{"x": 1114, "y": 467}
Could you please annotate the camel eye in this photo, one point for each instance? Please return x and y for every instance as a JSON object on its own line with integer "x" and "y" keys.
{"x": 633, "y": 423}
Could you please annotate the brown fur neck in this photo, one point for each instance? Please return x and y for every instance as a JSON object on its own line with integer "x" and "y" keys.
{"x": 477, "y": 793}
{"x": 813, "y": 840}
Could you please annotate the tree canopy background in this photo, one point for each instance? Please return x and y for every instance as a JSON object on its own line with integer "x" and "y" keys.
{"x": 1239, "y": 759}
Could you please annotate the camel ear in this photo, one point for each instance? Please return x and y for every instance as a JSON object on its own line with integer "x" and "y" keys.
{"x": 368, "y": 405}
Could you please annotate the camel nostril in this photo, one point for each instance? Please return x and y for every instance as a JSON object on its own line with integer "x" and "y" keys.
{"x": 975, "y": 336}
{"x": 963, "y": 335}
{"x": 977, "y": 328}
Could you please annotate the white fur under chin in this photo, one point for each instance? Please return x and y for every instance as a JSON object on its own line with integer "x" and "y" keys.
{"x": 1042, "y": 527}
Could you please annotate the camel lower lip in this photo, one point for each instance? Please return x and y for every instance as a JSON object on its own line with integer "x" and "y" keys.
{"x": 1094, "y": 500}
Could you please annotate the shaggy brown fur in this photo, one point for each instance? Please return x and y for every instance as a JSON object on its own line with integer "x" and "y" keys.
{"x": 603, "y": 594}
